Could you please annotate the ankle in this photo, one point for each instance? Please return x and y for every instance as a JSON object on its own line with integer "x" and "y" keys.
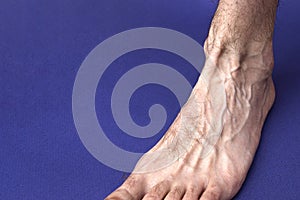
{"x": 255, "y": 60}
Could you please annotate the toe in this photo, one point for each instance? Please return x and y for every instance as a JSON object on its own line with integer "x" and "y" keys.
{"x": 211, "y": 194}
{"x": 176, "y": 193}
{"x": 135, "y": 186}
{"x": 192, "y": 193}
{"x": 120, "y": 194}
{"x": 131, "y": 189}
{"x": 158, "y": 192}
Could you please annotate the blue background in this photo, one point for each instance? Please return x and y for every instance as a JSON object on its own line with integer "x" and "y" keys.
{"x": 42, "y": 45}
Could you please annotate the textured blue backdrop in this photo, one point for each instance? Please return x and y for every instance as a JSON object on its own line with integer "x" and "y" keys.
{"x": 42, "y": 45}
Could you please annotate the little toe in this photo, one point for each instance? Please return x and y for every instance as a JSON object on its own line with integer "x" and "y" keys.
{"x": 211, "y": 194}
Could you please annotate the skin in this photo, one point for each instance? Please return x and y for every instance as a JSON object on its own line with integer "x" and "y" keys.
{"x": 215, "y": 136}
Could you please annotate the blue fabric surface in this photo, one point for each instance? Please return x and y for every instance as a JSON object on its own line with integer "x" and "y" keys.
{"x": 42, "y": 45}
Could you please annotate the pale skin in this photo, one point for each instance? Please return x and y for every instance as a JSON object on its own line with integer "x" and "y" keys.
{"x": 228, "y": 104}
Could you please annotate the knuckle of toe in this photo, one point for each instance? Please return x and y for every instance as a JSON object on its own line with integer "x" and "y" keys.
{"x": 175, "y": 193}
{"x": 193, "y": 189}
{"x": 214, "y": 195}
{"x": 131, "y": 182}
{"x": 121, "y": 194}
{"x": 178, "y": 190}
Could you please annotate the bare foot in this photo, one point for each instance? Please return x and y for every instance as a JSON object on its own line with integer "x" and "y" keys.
{"x": 207, "y": 151}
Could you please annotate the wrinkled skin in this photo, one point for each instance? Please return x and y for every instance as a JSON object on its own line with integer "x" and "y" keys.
{"x": 209, "y": 165}
{"x": 207, "y": 151}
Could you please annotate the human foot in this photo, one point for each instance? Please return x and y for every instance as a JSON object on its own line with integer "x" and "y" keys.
{"x": 207, "y": 151}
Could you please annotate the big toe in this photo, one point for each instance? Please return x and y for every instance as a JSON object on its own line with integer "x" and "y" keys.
{"x": 120, "y": 194}
{"x": 132, "y": 189}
